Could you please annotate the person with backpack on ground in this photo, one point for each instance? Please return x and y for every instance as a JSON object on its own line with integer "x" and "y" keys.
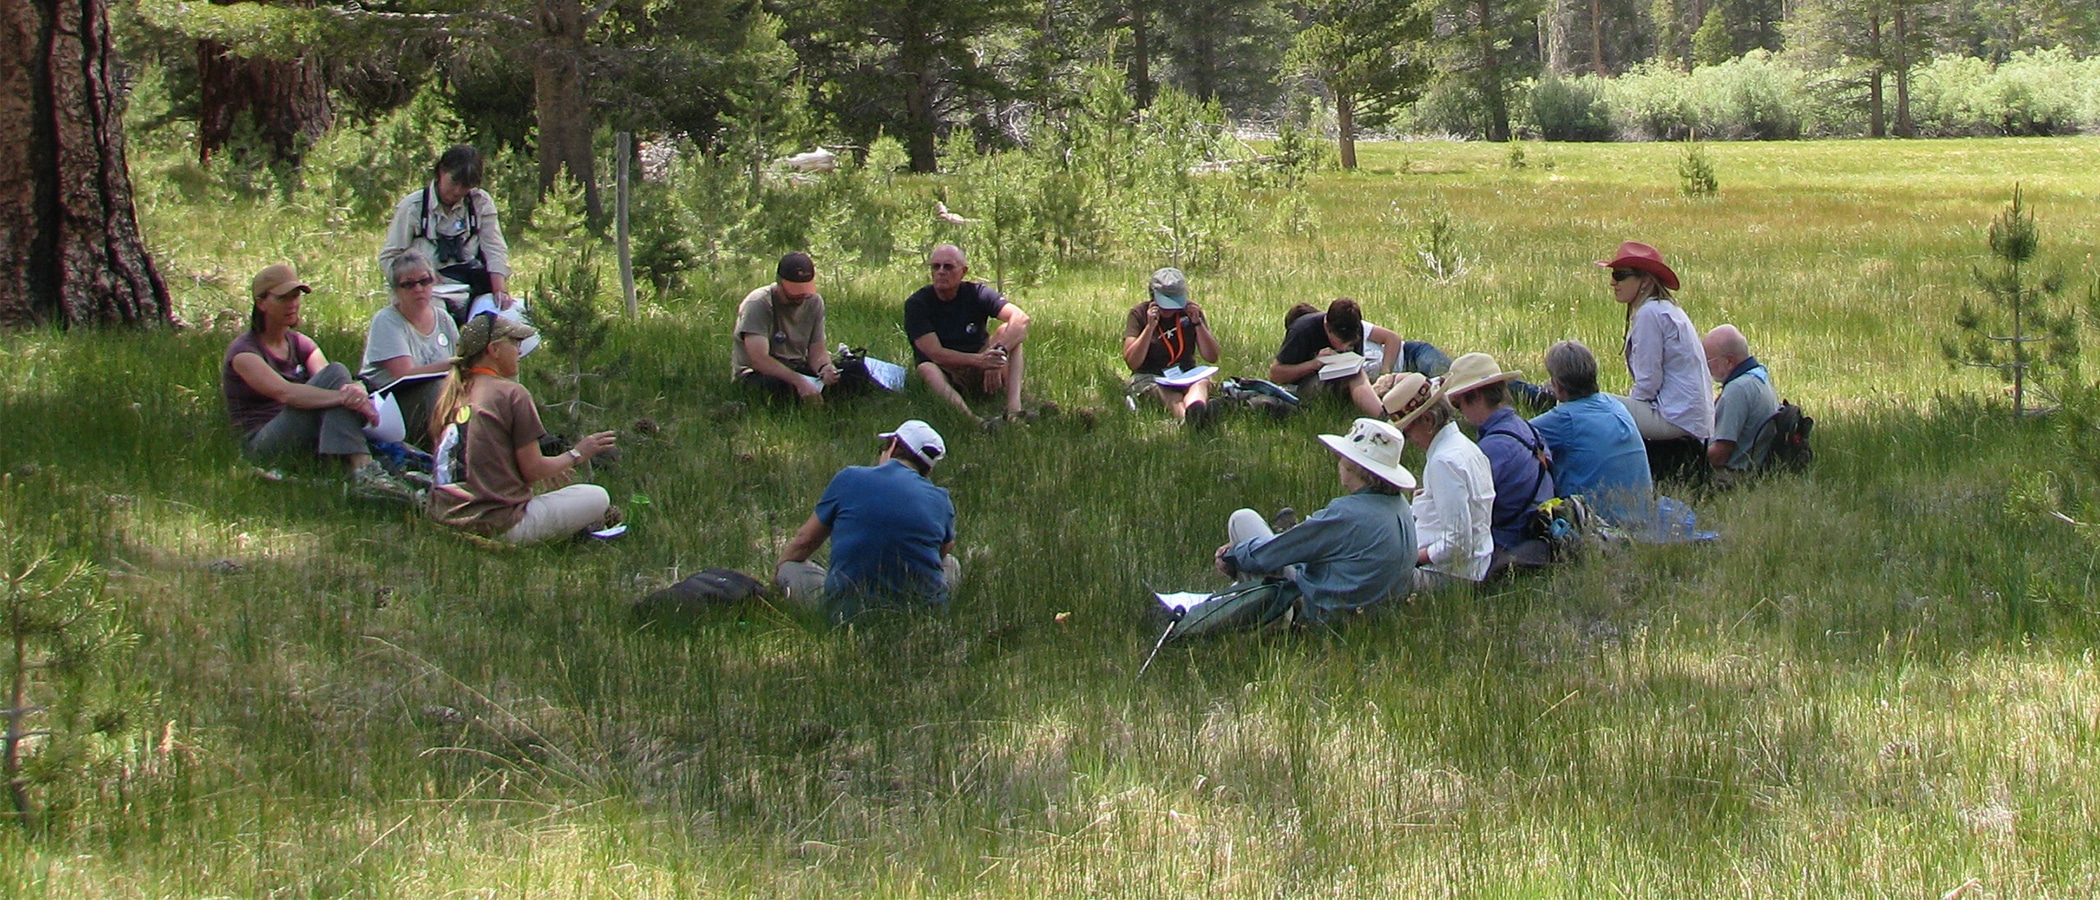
{"x": 1745, "y": 402}
{"x": 1517, "y": 457}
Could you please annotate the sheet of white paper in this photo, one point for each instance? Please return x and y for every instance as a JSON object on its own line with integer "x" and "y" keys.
{"x": 1374, "y": 356}
{"x": 888, "y": 374}
{"x": 606, "y": 534}
{"x": 814, "y": 381}
{"x": 1181, "y": 601}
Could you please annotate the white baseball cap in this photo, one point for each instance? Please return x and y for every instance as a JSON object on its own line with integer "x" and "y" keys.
{"x": 920, "y": 438}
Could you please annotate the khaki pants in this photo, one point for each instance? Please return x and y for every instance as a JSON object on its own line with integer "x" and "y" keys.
{"x": 559, "y": 514}
{"x": 802, "y": 583}
{"x": 1651, "y": 423}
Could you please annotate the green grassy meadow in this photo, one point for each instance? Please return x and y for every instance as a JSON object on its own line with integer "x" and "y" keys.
{"x": 1881, "y": 682}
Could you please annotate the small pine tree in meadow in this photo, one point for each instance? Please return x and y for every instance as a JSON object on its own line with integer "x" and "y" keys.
{"x": 566, "y": 307}
{"x": 65, "y": 639}
{"x": 1695, "y": 172}
{"x": 2021, "y": 334}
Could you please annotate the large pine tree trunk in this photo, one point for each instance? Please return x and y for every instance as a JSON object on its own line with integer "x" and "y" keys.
{"x": 560, "y": 103}
{"x": 1345, "y": 127}
{"x": 916, "y": 58}
{"x": 287, "y": 100}
{"x": 71, "y": 254}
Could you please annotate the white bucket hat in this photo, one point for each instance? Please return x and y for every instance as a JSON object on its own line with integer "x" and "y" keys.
{"x": 1376, "y": 446}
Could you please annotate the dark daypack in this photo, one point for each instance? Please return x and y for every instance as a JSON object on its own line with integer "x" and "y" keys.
{"x": 1781, "y": 444}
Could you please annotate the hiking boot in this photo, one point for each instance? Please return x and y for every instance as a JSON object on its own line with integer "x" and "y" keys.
{"x": 1284, "y": 520}
{"x": 1198, "y": 415}
{"x": 373, "y": 482}
{"x": 613, "y": 516}
{"x": 1049, "y": 408}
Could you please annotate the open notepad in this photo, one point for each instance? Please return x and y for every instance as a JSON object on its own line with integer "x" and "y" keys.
{"x": 1343, "y": 365}
{"x": 1179, "y": 378}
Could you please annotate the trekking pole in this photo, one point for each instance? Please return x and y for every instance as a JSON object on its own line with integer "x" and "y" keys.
{"x": 1161, "y": 642}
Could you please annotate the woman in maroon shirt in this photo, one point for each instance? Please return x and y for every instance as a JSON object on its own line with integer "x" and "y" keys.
{"x": 288, "y": 400}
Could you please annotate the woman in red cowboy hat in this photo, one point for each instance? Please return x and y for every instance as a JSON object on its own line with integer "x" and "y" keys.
{"x": 1669, "y": 399}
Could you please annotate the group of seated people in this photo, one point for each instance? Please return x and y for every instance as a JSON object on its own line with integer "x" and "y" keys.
{"x": 441, "y": 376}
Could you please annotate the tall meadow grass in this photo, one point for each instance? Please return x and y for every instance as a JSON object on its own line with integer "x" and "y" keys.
{"x": 1879, "y": 682}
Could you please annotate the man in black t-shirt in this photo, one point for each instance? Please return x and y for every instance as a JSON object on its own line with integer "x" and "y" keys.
{"x": 1307, "y": 344}
{"x": 946, "y": 322}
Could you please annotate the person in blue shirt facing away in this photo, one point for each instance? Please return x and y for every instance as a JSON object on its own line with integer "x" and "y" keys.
{"x": 892, "y": 533}
{"x": 1517, "y": 456}
{"x": 1597, "y": 450}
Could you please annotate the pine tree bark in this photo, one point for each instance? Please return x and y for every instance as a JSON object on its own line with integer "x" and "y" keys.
{"x": 560, "y": 102}
{"x": 286, "y": 99}
{"x": 71, "y": 253}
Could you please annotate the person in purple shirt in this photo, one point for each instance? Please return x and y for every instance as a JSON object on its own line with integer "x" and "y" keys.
{"x": 1522, "y": 465}
{"x": 1597, "y": 450}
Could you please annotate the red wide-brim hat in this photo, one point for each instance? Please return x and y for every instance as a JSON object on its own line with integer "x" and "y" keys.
{"x": 1636, "y": 255}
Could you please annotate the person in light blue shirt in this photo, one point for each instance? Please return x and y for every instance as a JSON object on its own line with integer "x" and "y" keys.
{"x": 892, "y": 533}
{"x": 1597, "y": 450}
{"x": 1358, "y": 550}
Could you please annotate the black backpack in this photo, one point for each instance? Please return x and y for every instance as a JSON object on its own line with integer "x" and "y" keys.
{"x": 1782, "y": 441}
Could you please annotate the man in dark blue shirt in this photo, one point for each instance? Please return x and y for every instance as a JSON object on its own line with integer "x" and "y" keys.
{"x": 946, "y": 324}
{"x": 892, "y": 533}
{"x": 1517, "y": 455}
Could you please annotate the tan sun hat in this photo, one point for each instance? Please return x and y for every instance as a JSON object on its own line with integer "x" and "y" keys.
{"x": 1376, "y": 446}
{"x": 1411, "y": 394}
{"x": 276, "y": 281}
{"x": 1474, "y": 370}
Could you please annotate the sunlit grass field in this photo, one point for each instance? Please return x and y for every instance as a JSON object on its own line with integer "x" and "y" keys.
{"x": 1880, "y": 682}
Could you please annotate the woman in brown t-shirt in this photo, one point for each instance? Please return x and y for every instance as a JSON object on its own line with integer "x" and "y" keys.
{"x": 489, "y": 455}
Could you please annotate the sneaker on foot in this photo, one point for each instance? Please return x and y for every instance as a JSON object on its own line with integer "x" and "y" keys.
{"x": 373, "y": 482}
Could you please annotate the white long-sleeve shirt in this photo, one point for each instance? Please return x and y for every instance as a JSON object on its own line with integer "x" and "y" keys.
{"x": 1455, "y": 511}
{"x": 1669, "y": 367}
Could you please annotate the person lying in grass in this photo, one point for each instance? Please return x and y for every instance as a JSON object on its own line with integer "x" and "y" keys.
{"x": 410, "y": 337}
{"x": 489, "y": 456}
{"x": 1454, "y": 511}
{"x": 1355, "y": 552}
{"x": 892, "y": 533}
{"x": 1311, "y": 337}
{"x": 289, "y": 401}
{"x": 1169, "y": 330}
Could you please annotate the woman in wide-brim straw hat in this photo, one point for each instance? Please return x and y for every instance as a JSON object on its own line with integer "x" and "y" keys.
{"x": 489, "y": 456}
{"x": 1354, "y": 552}
{"x": 1669, "y": 399}
{"x": 1454, "y": 511}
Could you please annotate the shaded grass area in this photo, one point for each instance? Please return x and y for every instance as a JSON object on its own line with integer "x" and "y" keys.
{"x": 1879, "y": 683}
